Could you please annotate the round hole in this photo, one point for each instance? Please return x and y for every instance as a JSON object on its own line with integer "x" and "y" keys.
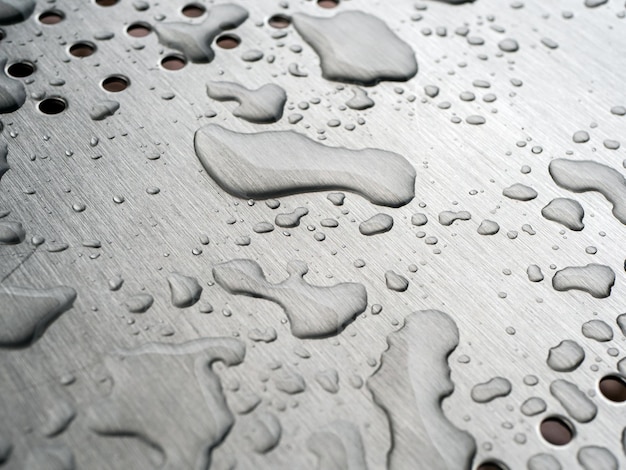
{"x": 21, "y": 69}
{"x": 328, "y": 3}
{"x": 228, "y": 41}
{"x": 54, "y": 105}
{"x": 279, "y": 21}
{"x": 556, "y": 431}
{"x": 51, "y": 17}
{"x": 2, "y": 34}
{"x": 115, "y": 83}
{"x": 491, "y": 465}
{"x": 193, "y": 10}
{"x": 613, "y": 388}
{"x": 139, "y": 30}
{"x": 173, "y": 62}
{"x": 82, "y": 49}
{"x": 106, "y": 3}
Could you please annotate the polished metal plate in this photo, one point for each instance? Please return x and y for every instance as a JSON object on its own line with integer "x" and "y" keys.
{"x": 334, "y": 234}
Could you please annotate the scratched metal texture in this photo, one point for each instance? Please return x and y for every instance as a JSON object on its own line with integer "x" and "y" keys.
{"x": 148, "y": 236}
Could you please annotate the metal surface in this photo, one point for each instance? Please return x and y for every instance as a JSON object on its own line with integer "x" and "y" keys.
{"x": 79, "y": 397}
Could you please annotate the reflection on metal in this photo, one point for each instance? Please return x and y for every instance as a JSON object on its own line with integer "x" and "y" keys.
{"x": 448, "y": 175}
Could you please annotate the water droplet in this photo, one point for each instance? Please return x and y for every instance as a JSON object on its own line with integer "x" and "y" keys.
{"x": 508, "y": 45}
{"x": 595, "y": 279}
{"x": 263, "y": 105}
{"x": 533, "y": 406}
{"x": 396, "y": 282}
{"x": 288, "y": 169}
{"x": 488, "y": 227}
{"x": 377, "y": 224}
{"x": 344, "y": 43}
{"x": 291, "y": 219}
{"x": 490, "y": 390}
{"x": 139, "y": 303}
{"x": 422, "y": 347}
{"x": 185, "y": 291}
{"x": 313, "y": 311}
{"x": 575, "y": 402}
{"x": 596, "y": 457}
{"x": 520, "y": 192}
{"x": 194, "y": 39}
{"x": 567, "y": 212}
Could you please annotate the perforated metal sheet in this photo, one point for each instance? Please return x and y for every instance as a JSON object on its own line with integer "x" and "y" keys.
{"x": 112, "y": 188}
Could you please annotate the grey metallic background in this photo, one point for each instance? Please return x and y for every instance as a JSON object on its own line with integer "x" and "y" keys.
{"x": 147, "y": 237}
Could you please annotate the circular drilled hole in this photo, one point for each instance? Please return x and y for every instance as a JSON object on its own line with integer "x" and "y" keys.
{"x": 279, "y": 21}
{"x": 193, "y": 10}
{"x": 21, "y": 69}
{"x": 51, "y": 17}
{"x": 613, "y": 388}
{"x": 139, "y": 30}
{"x": 82, "y": 49}
{"x": 2, "y": 34}
{"x": 228, "y": 41}
{"x": 106, "y": 3}
{"x": 115, "y": 83}
{"x": 328, "y": 3}
{"x": 54, "y": 105}
{"x": 556, "y": 431}
{"x": 492, "y": 465}
{"x": 173, "y": 62}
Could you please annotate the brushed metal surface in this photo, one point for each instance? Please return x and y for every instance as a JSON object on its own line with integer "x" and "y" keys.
{"x": 506, "y": 323}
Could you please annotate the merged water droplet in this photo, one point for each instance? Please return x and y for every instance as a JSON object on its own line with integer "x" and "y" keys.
{"x": 596, "y": 457}
{"x": 357, "y": 47}
{"x": 263, "y": 105}
{"x": 595, "y": 279}
{"x": 313, "y": 311}
{"x": 490, "y": 390}
{"x": 281, "y": 164}
{"x": 573, "y": 400}
{"x": 151, "y": 375}
{"x": 194, "y": 39}
{"x": 338, "y": 445}
{"x": 26, "y": 312}
{"x": 585, "y": 175}
{"x": 421, "y": 432}
{"x": 291, "y": 219}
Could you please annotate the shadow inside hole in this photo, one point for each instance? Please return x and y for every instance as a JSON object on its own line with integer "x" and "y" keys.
{"x": 491, "y": 465}
{"x": 106, "y": 3}
{"x": 328, "y": 3}
{"x": 556, "y": 431}
{"x": 613, "y": 388}
{"x": 193, "y": 10}
{"x": 82, "y": 49}
{"x": 115, "y": 84}
{"x": 173, "y": 62}
{"x": 53, "y": 105}
{"x": 228, "y": 41}
{"x": 279, "y": 21}
{"x": 51, "y": 17}
{"x": 21, "y": 69}
{"x": 138, "y": 30}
